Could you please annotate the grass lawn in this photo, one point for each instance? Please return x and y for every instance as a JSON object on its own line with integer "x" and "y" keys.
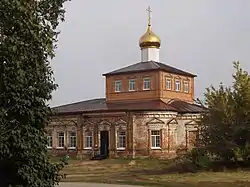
{"x": 148, "y": 172}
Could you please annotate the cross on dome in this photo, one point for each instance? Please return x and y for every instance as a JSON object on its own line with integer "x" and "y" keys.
{"x": 149, "y": 39}
{"x": 149, "y": 15}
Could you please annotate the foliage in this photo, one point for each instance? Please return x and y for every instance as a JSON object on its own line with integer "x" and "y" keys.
{"x": 225, "y": 127}
{"x": 27, "y": 42}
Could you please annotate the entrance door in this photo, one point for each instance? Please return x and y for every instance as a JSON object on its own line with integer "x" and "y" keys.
{"x": 104, "y": 148}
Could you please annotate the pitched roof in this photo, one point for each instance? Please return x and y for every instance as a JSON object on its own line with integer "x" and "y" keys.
{"x": 184, "y": 107}
{"x": 149, "y": 66}
{"x": 99, "y": 105}
{"x": 82, "y": 106}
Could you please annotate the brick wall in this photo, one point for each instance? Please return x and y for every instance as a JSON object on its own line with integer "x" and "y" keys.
{"x": 158, "y": 88}
{"x": 139, "y": 93}
{"x": 166, "y": 94}
{"x": 175, "y": 131}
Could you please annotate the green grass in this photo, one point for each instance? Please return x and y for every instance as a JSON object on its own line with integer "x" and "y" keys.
{"x": 149, "y": 172}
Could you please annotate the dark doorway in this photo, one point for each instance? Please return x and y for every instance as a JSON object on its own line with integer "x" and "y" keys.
{"x": 104, "y": 148}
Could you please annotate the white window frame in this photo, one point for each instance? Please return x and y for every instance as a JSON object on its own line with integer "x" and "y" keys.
{"x": 59, "y": 136}
{"x": 72, "y": 140}
{"x": 88, "y": 139}
{"x": 168, "y": 84}
{"x": 118, "y": 86}
{"x": 49, "y": 140}
{"x": 121, "y": 137}
{"x": 186, "y": 86}
{"x": 146, "y": 81}
{"x": 154, "y": 137}
{"x": 130, "y": 83}
{"x": 177, "y": 85}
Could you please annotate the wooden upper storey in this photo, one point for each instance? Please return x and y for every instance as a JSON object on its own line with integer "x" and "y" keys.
{"x": 147, "y": 81}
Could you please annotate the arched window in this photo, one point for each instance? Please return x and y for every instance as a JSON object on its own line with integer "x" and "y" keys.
{"x": 60, "y": 136}
{"x": 121, "y": 140}
{"x": 88, "y": 140}
{"x": 50, "y": 140}
{"x": 155, "y": 139}
{"x": 72, "y": 139}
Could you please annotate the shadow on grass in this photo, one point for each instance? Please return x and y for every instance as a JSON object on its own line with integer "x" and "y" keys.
{"x": 185, "y": 184}
{"x": 122, "y": 172}
{"x": 176, "y": 167}
{"x": 161, "y": 183}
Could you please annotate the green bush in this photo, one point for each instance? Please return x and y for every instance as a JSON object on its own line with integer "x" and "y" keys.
{"x": 200, "y": 158}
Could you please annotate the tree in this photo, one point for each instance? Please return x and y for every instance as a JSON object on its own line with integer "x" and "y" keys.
{"x": 28, "y": 38}
{"x": 225, "y": 127}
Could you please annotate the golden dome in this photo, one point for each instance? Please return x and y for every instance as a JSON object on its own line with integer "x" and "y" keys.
{"x": 149, "y": 39}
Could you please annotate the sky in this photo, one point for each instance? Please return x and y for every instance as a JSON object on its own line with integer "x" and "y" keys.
{"x": 203, "y": 37}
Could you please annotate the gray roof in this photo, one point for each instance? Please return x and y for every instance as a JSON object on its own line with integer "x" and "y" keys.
{"x": 98, "y": 105}
{"x": 149, "y": 66}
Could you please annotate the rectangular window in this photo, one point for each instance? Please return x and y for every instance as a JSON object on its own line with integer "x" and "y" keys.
{"x": 72, "y": 140}
{"x": 131, "y": 85}
{"x": 118, "y": 86}
{"x": 155, "y": 139}
{"x": 177, "y": 85}
{"x": 88, "y": 140}
{"x": 50, "y": 140}
{"x": 61, "y": 139}
{"x": 193, "y": 137}
{"x": 168, "y": 84}
{"x": 122, "y": 140}
{"x": 146, "y": 84}
{"x": 186, "y": 86}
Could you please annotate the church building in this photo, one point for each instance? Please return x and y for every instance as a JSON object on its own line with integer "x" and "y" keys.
{"x": 148, "y": 111}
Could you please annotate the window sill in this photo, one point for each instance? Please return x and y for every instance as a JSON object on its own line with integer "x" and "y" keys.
{"x": 120, "y": 148}
{"x": 156, "y": 148}
{"x": 49, "y": 147}
{"x": 60, "y": 148}
{"x": 131, "y": 90}
{"x": 71, "y": 147}
{"x": 88, "y": 148}
{"x": 146, "y": 89}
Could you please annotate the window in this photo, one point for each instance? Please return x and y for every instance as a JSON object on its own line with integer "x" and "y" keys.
{"x": 168, "y": 84}
{"x": 177, "y": 85}
{"x": 72, "y": 140}
{"x": 88, "y": 140}
{"x": 155, "y": 138}
{"x": 131, "y": 85}
{"x": 176, "y": 136}
{"x": 146, "y": 84}
{"x": 61, "y": 139}
{"x": 50, "y": 140}
{"x": 193, "y": 137}
{"x": 186, "y": 86}
{"x": 121, "y": 140}
{"x": 118, "y": 86}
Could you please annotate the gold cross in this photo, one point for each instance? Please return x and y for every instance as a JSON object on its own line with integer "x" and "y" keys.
{"x": 149, "y": 15}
